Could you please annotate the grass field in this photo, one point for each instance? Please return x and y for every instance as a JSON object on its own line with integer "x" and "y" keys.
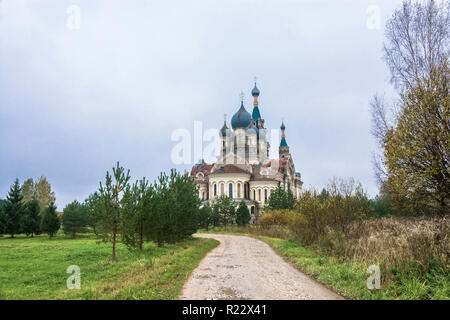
{"x": 35, "y": 268}
{"x": 348, "y": 278}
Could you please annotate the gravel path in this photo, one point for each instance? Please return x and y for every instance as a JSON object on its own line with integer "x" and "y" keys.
{"x": 247, "y": 268}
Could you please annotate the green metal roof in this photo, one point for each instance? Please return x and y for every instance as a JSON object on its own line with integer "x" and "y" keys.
{"x": 256, "y": 114}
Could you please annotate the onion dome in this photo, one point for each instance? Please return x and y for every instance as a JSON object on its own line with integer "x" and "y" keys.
{"x": 241, "y": 119}
{"x": 255, "y": 91}
{"x": 283, "y": 142}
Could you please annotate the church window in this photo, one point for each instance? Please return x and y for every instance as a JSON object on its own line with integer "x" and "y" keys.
{"x": 254, "y": 194}
{"x": 230, "y": 191}
{"x": 215, "y": 189}
{"x": 259, "y": 194}
{"x": 239, "y": 190}
{"x": 265, "y": 195}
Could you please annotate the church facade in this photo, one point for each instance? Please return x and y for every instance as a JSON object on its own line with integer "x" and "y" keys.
{"x": 243, "y": 170}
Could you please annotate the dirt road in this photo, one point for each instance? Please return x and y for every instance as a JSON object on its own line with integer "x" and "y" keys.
{"x": 247, "y": 268}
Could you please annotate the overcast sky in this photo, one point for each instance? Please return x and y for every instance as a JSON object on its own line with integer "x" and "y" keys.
{"x": 73, "y": 101}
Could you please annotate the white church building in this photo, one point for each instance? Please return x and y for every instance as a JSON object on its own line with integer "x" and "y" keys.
{"x": 243, "y": 170}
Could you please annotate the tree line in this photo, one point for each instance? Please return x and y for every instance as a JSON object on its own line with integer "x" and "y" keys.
{"x": 29, "y": 209}
{"x": 165, "y": 211}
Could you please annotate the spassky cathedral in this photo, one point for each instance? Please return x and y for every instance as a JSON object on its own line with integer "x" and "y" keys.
{"x": 243, "y": 170}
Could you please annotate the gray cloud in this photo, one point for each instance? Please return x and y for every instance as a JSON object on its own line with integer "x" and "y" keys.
{"x": 73, "y": 102}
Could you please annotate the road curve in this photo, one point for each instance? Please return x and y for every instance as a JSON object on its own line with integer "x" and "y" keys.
{"x": 247, "y": 268}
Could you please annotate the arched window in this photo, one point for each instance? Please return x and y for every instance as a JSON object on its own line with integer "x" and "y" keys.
{"x": 239, "y": 190}
{"x": 230, "y": 190}
{"x": 254, "y": 194}
{"x": 265, "y": 195}
{"x": 259, "y": 194}
{"x": 215, "y": 189}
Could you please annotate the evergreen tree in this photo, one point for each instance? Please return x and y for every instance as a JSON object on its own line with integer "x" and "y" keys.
{"x": 30, "y": 221}
{"x": 205, "y": 216}
{"x": 280, "y": 199}
{"x": 242, "y": 214}
{"x": 2, "y": 216}
{"x": 227, "y": 209}
{"x": 138, "y": 206}
{"x": 175, "y": 210}
{"x": 50, "y": 222}
{"x": 13, "y": 210}
{"x": 75, "y": 218}
{"x": 107, "y": 206}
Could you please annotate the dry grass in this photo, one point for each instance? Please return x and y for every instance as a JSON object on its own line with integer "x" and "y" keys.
{"x": 412, "y": 253}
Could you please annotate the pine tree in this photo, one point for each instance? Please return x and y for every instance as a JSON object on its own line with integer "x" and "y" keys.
{"x": 50, "y": 222}
{"x": 74, "y": 218}
{"x": 175, "y": 209}
{"x": 205, "y": 216}
{"x": 242, "y": 214}
{"x": 227, "y": 209}
{"x": 13, "y": 210}
{"x": 107, "y": 206}
{"x": 138, "y": 201}
{"x": 280, "y": 199}
{"x": 30, "y": 222}
{"x": 2, "y": 216}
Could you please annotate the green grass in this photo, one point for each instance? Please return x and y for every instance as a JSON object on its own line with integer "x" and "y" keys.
{"x": 348, "y": 278}
{"x": 35, "y": 268}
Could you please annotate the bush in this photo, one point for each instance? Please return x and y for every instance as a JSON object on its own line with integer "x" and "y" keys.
{"x": 334, "y": 211}
{"x": 273, "y": 218}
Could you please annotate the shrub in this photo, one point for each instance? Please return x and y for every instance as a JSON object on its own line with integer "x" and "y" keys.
{"x": 273, "y": 218}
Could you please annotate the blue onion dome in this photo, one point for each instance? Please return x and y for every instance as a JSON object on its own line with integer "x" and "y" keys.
{"x": 283, "y": 127}
{"x": 241, "y": 119}
{"x": 255, "y": 91}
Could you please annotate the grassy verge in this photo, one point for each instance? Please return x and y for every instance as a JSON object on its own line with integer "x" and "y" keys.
{"x": 35, "y": 268}
{"x": 349, "y": 278}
